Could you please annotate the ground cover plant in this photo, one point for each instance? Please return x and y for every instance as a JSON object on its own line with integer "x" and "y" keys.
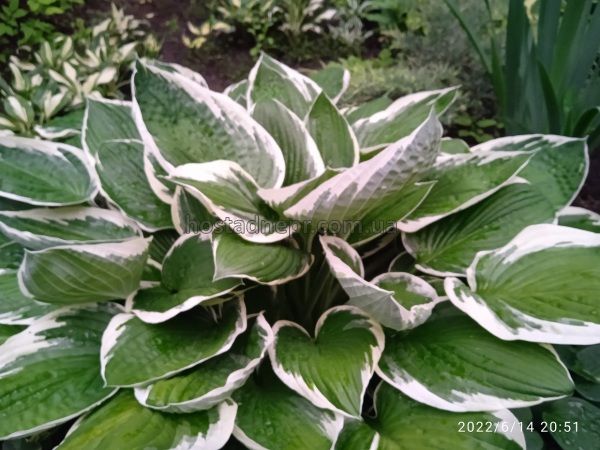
{"x": 210, "y": 265}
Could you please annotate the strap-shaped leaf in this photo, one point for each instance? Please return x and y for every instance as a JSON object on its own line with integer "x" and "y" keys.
{"x": 462, "y": 181}
{"x": 50, "y": 372}
{"x": 451, "y": 363}
{"x": 270, "y": 264}
{"x": 581, "y": 218}
{"x": 183, "y": 122}
{"x": 272, "y": 416}
{"x": 15, "y": 308}
{"x": 189, "y": 215}
{"x": 214, "y": 380}
{"x": 40, "y": 228}
{"x": 333, "y": 79}
{"x": 347, "y": 345}
{"x": 187, "y": 281}
{"x": 403, "y": 423}
{"x": 334, "y": 137}
{"x": 354, "y": 192}
{"x": 448, "y": 246}
{"x": 400, "y": 118}
{"x": 231, "y": 194}
{"x": 134, "y": 352}
{"x": 44, "y": 173}
{"x": 111, "y": 139}
{"x": 84, "y": 273}
{"x": 300, "y": 152}
{"x": 542, "y": 286}
{"x": 123, "y": 424}
{"x": 271, "y": 79}
{"x": 573, "y": 423}
{"x": 397, "y": 300}
{"x": 558, "y": 168}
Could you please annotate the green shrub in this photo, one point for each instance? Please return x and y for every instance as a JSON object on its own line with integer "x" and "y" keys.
{"x": 237, "y": 282}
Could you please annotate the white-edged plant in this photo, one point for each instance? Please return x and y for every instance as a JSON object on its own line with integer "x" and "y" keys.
{"x": 214, "y": 266}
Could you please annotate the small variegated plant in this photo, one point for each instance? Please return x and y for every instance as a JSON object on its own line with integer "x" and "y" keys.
{"x": 260, "y": 266}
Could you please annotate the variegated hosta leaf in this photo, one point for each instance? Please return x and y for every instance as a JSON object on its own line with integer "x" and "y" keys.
{"x": 582, "y": 360}
{"x": 272, "y": 416}
{"x": 11, "y": 254}
{"x": 271, "y": 79}
{"x": 355, "y": 192}
{"x": 401, "y": 118}
{"x": 300, "y": 152}
{"x": 558, "y": 168}
{"x": 333, "y": 369}
{"x": 44, "y": 173}
{"x": 15, "y": 308}
{"x": 123, "y": 424}
{"x": 50, "y": 372}
{"x": 448, "y": 246}
{"x": 111, "y": 139}
{"x": 187, "y": 281}
{"x": 573, "y": 423}
{"x": 334, "y": 137}
{"x": 270, "y": 264}
{"x": 181, "y": 70}
{"x": 462, "y": 181}
{"x": 40, "y": 228}
{"x": 162, "y": 241}
{"x": 84, "y": 273}
{"x": 542, "y": 286}
{"x": 7, "y": 331}
{"x": 333, "y": 79}
{"x": 189, "y": 215}
{"x": 182, "y": 122}
{"x": 230, "y": 193}
{"x": 402, "y": 423}
{"x": 238, "y": 92}
{"x": 355, "y": 113}
{"x": 451, "y": 363}
{"x": 581, "y": 218}
{"x": 134, "y": 352}
{"x": 213, "y": 381}
{"x": 397, "y": 300}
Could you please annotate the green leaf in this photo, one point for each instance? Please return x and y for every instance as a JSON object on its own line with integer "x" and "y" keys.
{"x": 40, "y": 228}
{"x": 43, "y": 173}
{"x": 542, "y": 287}
{"x": 270, "y": 264}
{"x": 402, "y": 423}
{"x": 581, "y": 218}
{"x": 213, "y": 381}
{"x": 189, "y": 215}
{"x": 300, "y": 152}
{"x": 558, "y": 167}
{"x": 333, "y": 369}
{"x": 186, "y": 282}
{"x": 334, "y": 79}
{"x": 448, "y": 246}
{"x": 51, "y": 371}
{"x": 367, "y": 109}
{"x": 462, "y": 181}
{"x": 134, "y": 352}
{"x": 332, "y": 133}
{"x": 15, "y": 308}
{"x": 231, "y": 194}
{"x": 397, "y": 300}
{"x": 7, "y": 331}
{"x": 400, "y": 118}
{"x": 123, "y": 424}
{"x": 454, "y": 146}
{"x": 85, "y": 272}
{"x": 111, "y": 140}
{"x": 451, "y": 363}
{"x": 584, "y": 361}
{"x": 11, "y": 254}
{"x": 182, "y": 122}
{"x": 355, "y": 192}
{"x": 573, "y": 423}
{"x": 272, "y": 416}
{"x": 270, "y": 79}
{"x": 238, "y": 92}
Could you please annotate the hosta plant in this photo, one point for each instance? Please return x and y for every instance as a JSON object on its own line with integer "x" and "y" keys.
{"x": 261, "y": 267}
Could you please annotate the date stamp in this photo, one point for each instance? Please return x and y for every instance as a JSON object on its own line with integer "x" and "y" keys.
{"x": 489, "y": 426}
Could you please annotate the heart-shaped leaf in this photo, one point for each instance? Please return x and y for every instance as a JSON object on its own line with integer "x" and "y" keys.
{"x": 333, "y": 369}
